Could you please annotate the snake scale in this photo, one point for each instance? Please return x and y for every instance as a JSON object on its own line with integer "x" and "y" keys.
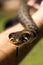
{"x": 30, "y": 32}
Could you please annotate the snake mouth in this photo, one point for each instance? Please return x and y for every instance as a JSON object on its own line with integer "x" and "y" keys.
{"x": 19, "y": 38}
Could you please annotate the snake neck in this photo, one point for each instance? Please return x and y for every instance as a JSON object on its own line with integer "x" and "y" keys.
{"x": 25, "y": 18}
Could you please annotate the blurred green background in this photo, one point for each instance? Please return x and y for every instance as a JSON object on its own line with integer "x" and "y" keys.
{"x": 4, "y": 16}
{"x": 35, "y": 56}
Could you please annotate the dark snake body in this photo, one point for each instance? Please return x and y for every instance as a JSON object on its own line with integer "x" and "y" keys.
{"x": 26, "y": 19}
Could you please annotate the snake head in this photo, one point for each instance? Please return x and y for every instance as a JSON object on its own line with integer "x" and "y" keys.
{"x": 20, "y": 37}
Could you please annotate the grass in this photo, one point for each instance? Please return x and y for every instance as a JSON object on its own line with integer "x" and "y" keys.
{"x": 35, "y": 57}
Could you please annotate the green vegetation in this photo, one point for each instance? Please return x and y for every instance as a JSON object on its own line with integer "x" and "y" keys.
{"x": 4, "y": 16}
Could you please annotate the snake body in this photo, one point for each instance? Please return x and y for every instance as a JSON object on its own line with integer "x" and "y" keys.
{"x": 26, "y": 19}
{"x": 30, "y": 32}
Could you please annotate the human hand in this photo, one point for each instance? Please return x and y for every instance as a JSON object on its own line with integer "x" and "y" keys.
{"x": 34, "y": 3}
{"x": 38, "y": 13}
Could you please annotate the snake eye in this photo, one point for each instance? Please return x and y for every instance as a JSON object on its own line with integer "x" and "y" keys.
{"x": 24, "y": 37}
{"x": 11, "y": 35}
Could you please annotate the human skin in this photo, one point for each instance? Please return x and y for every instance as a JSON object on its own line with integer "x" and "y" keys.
{"x": 7, "y": 49}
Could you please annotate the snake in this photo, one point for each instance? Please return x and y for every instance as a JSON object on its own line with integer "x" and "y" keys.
{"x": 30, "y": 31}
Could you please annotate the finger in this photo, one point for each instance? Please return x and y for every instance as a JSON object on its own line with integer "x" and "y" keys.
{"x": 33, "y": 4}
